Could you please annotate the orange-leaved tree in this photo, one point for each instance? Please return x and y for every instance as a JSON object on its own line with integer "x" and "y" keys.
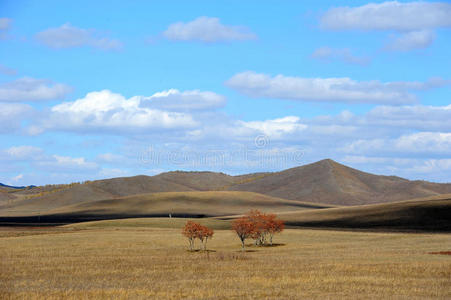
{"x": 194, "y": 230}
{"x": 257, "y": 225}
{"x": 244, "y": 228}
{"x": 273, "y": 226}
{"x": 204, "y": 233}
{"x": 190, "y": 231}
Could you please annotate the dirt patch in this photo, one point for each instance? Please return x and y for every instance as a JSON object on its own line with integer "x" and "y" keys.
{"x": 441, "y": 252}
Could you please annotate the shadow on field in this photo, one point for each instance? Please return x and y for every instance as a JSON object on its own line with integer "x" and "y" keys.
{"x": 201, "y": 251}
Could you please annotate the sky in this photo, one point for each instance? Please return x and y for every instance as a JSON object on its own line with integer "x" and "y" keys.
{"x": 101, "y": 89}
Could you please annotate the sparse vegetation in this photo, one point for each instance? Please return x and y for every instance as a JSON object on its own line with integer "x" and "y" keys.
{"x": 142, "y": 262}
{"x": 193, "y": 231}
{"x": 258, "y": 226}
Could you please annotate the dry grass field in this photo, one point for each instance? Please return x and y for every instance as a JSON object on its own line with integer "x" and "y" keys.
{"x": 149, "y": 259}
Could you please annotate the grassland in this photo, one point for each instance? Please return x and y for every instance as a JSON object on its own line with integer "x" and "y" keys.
{"x": 425, "y": 214}
{"x": 140, "y": 259}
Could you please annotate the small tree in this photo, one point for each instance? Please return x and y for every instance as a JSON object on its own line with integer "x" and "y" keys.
{"x": 204, "y": 233}
{"x": 190, "y": 231}
{"x": 273, "y": 226}
{"x": 244, "y": 228}
{"x": 258, "y": 226}
{"x": 195, "y": 231}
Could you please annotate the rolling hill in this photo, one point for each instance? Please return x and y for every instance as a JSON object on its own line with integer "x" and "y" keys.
{"x": 426, "y": 214}
{"x": 177, "y": 204}
{"x": 324, "y": 183}
{"x": 329, "y": 182}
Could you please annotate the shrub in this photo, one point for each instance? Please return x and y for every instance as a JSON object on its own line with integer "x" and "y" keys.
{"x": 258, "y": 226}
{"x": 194, "y": 230}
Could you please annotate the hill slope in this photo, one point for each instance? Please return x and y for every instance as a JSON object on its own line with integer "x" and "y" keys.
{"x": 325, "y": 181}
{"x": 182, "y": 204}
{"x": 329, "y": 182}
{"x": 427, "y": 214}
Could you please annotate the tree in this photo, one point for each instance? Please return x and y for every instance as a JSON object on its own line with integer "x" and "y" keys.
{"x": 190, "y": 231}
{"x": 195, "y": 231}
{"x": 257, "y": 225}
{"x": 244, "y": 228}
{"x": 273, "y": 226}
{"x": 204, "y": 233}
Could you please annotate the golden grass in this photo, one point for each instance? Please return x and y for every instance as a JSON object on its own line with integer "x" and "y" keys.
{"x": 140, "y": 262}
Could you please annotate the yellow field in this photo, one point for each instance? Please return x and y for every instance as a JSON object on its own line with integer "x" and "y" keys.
{"x": 135, "y": 260}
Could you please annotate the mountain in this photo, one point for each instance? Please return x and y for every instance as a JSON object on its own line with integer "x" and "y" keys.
{"x": 329, "y": 182}
{"x": 325, "y": 182}
{"x": 14, "y": 187}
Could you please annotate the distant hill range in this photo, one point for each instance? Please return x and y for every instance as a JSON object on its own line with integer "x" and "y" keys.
{"x": 15, "y": 187}
{"x": 316, "y": 186}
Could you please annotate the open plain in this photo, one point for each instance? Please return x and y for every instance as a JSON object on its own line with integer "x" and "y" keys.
{"x": 148, "y": 258}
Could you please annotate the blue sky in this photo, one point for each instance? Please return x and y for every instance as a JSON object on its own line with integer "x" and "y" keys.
{"x": 99, "y": 89}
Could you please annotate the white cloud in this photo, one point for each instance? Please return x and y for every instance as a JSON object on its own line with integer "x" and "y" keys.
{"x": 276, "y": 128}
{"x": 412, "y": 40}
{"x": 68, "y": 36}
{"x": 110, "y": 158}
{"x": 415, "y": 21}
{"x": 113, "y": 172}
{"x": 345, "y": 55}
{"x": 438, "y": 142}
{"x": 413, "y": 168}
{"x": 7, "y": 71}
{"x": 393, "y": 15}
{"x": 329, "y": 89}
{"x": 415, "y": 117}
{"x": 17, "y": 178}
{"x": 174, "y": 100}
{"x": 24, "y": 152}
{"x": 5, "y": 24}
{"x": 207, "y": 30}
{"x": 30, "y": 89}
{"x": 11, "y": 116}
{"x": 430, "y": 143}
{"x": 77, "y": 162}
{"x": 109, "y": 111}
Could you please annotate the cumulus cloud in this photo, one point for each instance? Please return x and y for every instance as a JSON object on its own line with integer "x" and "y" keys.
{"x": 432, "y": 169}
{"x": 275, "y": 128}
{"x": 431, "y": 143}
{"x": 24, "y": 152}
{"x": 207, "y": 30}
{"x": 328, "y": 54}
{"x": 68, "y": 36}
{"x": 415, "y": 21}
{"x": 174, "y": 100}
{"x": 68, "y": 163}
{"x": 105, "y": 110}
{"x": 412, "y": 40}
{"x": 417, "y": 117}
{"x": 11, "y": 116}
{"x": 329, "y": 89}
{"x": 29, "y": 89}
{"x": 392, "y": 15}
{"x": 5, "y": 24}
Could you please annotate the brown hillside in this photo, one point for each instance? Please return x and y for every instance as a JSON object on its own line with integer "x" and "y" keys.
{"x": 323, "y": 182}
{"x": 430, "y": 214}
{"x": 182, "y": 204}
{"x": 327, "y": 181}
